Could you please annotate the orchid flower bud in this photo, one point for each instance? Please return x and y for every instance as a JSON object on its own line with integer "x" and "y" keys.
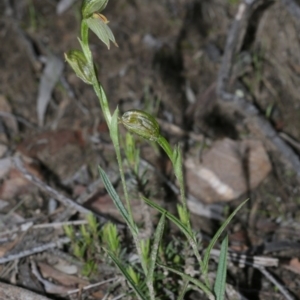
{"x": 91, "y": 6}
{"x": 80, "y": 65}
{"x": 142, "y": 124}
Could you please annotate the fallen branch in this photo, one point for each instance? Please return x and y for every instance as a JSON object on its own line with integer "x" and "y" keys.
{"x": 34, "y": 250}
{"x": 55, "y": 194}
{"x": 279, "y": 286}
{"x": 12, "y": 292}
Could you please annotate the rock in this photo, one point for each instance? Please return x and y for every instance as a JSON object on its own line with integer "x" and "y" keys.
{"x": 228, "y": 170}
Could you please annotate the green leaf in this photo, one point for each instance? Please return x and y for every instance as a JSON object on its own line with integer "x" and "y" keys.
{"x": 157, "y": 238}
{"x": 85, "y": 47}
{"x": 183, "y": 289}
{"x": 114, "y": 129}
{"x": 217, "y": 235}
{"x": 133, "y": 274}
{"x": 110, "y": 237}
{"x": 220, "y": 283}
{"x": 196, "y": 282}
{"x": 145, "y": 250}
{"x": 127, "y": 276}
{"x": 183, "y": 215}
{"x": 177, "y": 163}
{"x": 185, "y": 229}
{"x": 91, "y": 6}
{"x": 116, "y": 199}
{"x": 97, "y": 24}
{"x": 92, "y": 223}
{"x": 166, "y": 147}
{"x": 171, "y": 217}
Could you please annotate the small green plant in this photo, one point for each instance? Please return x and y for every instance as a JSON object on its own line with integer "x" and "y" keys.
{"x": 33, "y": 16}
{"x": 233, "y": 2}
{"x": 88, "y": 243}
{"x": 144, "y": 280}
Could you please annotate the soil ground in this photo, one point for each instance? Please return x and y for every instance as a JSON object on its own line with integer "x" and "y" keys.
{"x": 167, "y": 62}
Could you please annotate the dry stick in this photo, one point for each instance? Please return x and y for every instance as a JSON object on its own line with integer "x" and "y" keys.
{"x": 88, "y": 193}
{"x": 34, "y": 250}
{"x": 49, "y": 190}
{"x": 233, "y": 45}
{"x": 90, "y": 286}
{"x": 280, "y": 287}
{"x": 270, "y": 277}
{"x": 55, "y": 194}
{"x": 290, "y": 140}
{"x": 40, "y": 226}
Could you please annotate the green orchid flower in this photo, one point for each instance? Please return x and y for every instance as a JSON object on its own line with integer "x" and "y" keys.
{"x": 80, "y": 65}
{"x": 96, "y": 21}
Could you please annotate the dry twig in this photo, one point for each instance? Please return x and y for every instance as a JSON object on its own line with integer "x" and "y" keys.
{"x": 280, "y": 287}
{"x": 91, "y": 286}
{"x": 34, "y": 250}
{"x": 52, "y": 192}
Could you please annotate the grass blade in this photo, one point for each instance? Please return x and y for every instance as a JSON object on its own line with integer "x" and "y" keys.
{"x": 220, "y": 283}
{"x": 114, "y": 129}
{"x": 217, "y": 235}
{"x": 193, "y": 280}
{"x": 157, "y": 238}
{"x": 116, "y": 199}
{"x": 171, "y": 217}
{"x": 127, "y": 276}
{"x": 183, "y": 290}
{"x": 185, "y": 229}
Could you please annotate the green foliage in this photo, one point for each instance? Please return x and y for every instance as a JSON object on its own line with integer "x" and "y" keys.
{"x": 91, "y": 6}
{"x": 131, "y": 280}
{"x": 196, "y": 282}
{"x": 80, "y": 65}
{"x": 141, "y": 123}
{"x": 86, "y": 242}
{"x": 145, "y": 250}
{"x": 110, "y": 238}
{"x": 117, "y": 201}
{"x": 97, "y": 23}
{"x": 157, "y": 239}
{"x": 136, "y": 277}
{"x": 171, "y": 252}
{"x": 79, "y": 250}
{"x": 132, "y": 153}
{"x": 269, "y": 110}
{"x": 32, "y": 16}
{"x": 146, "y": 278}
{"x": 217, "y": 235}
{"x": 183, "y": 216}
{"x": 70, "y": 232}
{"x": 93, "y": 225}
{"x": 234, "y": 2}
{"x": 88, "y": 268}
{"x": 220, "y": 283}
